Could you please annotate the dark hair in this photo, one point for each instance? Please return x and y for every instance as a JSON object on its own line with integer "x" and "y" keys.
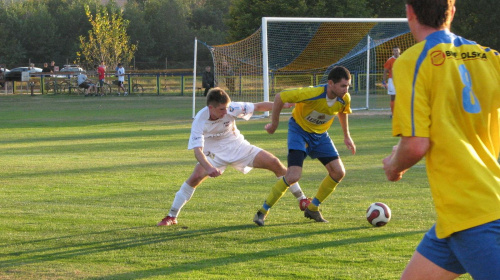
{"x": 433, "y": 13}
{"x": 217, "y": 96}
{"x": 338, "y": 73}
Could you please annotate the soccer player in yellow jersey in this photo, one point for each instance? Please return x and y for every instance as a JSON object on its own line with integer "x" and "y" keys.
{"x": 448, "y": 110}
{"x": 315, "y": 109}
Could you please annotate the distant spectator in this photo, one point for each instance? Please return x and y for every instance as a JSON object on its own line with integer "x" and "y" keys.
{"x": 208, "y": 80}
{"x": 52, "y": 66}
{"x": 229, "y": 73}
{"x": 101, "y": 70}
{"x": 85, "y": 83}
{"x": 46, "y": 69}
{"x": 120, "y": 73}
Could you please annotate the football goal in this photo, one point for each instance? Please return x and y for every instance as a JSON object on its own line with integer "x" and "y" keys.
{"x": 299, "y": 52}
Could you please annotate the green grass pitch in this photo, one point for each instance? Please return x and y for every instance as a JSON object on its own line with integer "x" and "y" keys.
{"x": 83, "y": 182}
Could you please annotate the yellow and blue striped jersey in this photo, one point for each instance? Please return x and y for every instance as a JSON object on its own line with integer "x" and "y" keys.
{"x": 449, "y": 91}
{"x": 314, "y": 111}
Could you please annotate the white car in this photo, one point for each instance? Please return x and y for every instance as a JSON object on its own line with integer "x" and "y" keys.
{"x": 15, "y": 73}
{"x": 72, "y": 68}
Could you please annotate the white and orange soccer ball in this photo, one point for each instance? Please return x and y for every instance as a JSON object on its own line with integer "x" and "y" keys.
{"x": 378, "y": 214}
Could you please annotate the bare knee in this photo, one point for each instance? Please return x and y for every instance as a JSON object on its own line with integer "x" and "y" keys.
{"x": 277, "y": 167}
{"x": 336, "y": 170}
{"x": 268, "y": 161}
{"x": 197, "y": 177}
{"x": 337, "y": 175}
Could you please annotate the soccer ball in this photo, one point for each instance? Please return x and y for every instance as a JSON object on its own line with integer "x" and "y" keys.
{"x": 378, "y": 214}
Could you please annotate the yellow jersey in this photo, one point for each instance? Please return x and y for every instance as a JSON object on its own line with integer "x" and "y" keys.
{"x": 449, "y": 91}
{"x": 314, "y": 111}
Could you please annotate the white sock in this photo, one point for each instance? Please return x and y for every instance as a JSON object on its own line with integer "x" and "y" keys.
{"x": 297, "y": 191}
{"x": 181, "y": 198}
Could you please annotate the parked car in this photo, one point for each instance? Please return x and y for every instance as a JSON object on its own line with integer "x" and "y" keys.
{"x": 76, "y": 69}
{"x": 15, "y": 74}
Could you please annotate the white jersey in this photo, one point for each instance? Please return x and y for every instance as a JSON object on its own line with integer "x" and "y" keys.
{"x": 220, "y": 137}
{"x": 81, "y": 78}
{"x": 120, "y": 72}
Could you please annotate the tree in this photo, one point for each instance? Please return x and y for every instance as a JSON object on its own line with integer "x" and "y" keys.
{"x": 473, "y": 18}
{"x": 107, "y": 40}
{"x": 387, "y": 8}
{"x": 246, "y": 15}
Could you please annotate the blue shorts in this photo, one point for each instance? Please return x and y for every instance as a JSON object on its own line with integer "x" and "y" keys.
{"x": 314, "y": 145}
{"x": 475, "y": 251}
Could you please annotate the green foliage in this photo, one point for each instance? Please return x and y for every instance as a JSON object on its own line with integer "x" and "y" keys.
{"x": 45, "y": 30}
{"x": 107, "y": 40}
{"x": 473, "y": 19}
{"x": 246, "y": 15}
{"x": 387, "y": 8}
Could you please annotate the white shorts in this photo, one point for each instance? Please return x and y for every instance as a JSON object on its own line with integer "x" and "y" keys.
{"x": 390, "y": 87}
{"x": 241, "y": 158}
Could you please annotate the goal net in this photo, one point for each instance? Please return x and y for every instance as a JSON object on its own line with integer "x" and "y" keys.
{"x": 299, "y": 52}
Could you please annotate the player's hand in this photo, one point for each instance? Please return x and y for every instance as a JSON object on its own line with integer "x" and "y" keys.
{"x": 214, "y": 172}
{"x": 270, "y": 128}
{"x": 350, "y": 145}
{"x": 384, "y": 84}
{"x": 288, "y": 105}
{"x": 389, "y": 172}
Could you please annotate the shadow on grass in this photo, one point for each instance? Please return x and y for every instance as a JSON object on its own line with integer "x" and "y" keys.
{"x": 61, "y": 251}
{"x": 90, "y": 170}
{"x": 44, "y": 254}
{"x": 200, "y": 265}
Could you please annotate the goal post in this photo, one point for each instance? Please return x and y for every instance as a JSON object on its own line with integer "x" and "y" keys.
{"x": 290, "y": 52}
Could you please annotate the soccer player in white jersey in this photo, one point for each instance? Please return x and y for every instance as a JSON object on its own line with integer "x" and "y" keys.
{"x": 448, "y": 111}
{"x": 217, "y": 143}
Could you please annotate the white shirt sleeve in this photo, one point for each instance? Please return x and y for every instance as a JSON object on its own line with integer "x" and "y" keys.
{"x": 243, "y": 110}
{"x": 197, "y": 138}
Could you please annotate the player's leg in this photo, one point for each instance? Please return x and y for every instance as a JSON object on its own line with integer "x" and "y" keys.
{"x": 420, "y": 267}
{"x": 292, "y": 176}
{"x": 184, "y": 194}
{"x": 325, "y": 151}
{"x": 391, "y": 90}
{"x": 268, "y": 161}
{"x": 336, "y": 172}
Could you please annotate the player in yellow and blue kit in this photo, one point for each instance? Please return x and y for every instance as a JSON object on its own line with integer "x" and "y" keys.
{"x": 448, "y": 110}
{"x": 315, "y": 109}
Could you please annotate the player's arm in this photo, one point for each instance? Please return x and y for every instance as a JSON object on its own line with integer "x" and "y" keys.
{"x": 407, "y": 153}
{"x": 202, "y": 159}
{"x": 275, "y": 116}
{"x": 344, "y": 123}
{"x": 263, "y": 106}
{"x": 268, "y": 106}
{"x": 384, "y": 77}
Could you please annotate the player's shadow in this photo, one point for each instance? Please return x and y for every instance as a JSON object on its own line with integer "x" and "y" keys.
{"x": 64, "y": 247}
{"x": 98, "y": 244}
{"x": 248, "y": 257}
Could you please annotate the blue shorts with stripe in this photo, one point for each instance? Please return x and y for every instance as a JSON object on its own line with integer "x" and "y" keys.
{"x": 475, "y": 250}
{"x": 313, "y": 144}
